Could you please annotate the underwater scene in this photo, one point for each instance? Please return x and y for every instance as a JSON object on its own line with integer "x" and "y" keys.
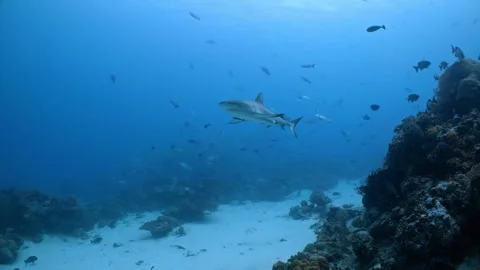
{"x": 240, "y": 135}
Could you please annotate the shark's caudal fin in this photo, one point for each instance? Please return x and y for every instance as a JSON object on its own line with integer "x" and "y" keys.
{"x": 259, "y": 98}
{"x": 294, "y": 124}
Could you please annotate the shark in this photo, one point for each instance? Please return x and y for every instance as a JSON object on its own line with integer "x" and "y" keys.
{"x": 256, "y": 111}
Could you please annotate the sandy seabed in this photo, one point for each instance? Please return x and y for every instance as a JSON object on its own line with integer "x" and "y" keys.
{"x": 251, "y": 236}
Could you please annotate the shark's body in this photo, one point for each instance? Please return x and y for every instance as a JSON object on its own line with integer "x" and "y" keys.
{"x": 255, "y": 111}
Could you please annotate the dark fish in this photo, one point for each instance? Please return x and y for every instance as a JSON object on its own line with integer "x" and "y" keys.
{"x": 174, "y": 104}
{"x": 113, "y": 78}
{"x": 207, "y": 125}
{"x": 478, "y": 57}
{"x": 265, "y": 70}
{"x": 256, "y": 151}
{"x": 443, "y": 65}
{"x": 31, "y": 260}
{"x": 230, "y": 73}
{"x": 243, "y": 149}
{"x": 306, "y": 80}
{"x": 413, "y": 97}
{"x": 153, "y": 147}
{"x": 424, "y": 64}
{"x": 375, "y": 107}
{"x": 366, "y": 117}
{"x": 191, "y": 66}
{"x": 374, "y": 28}
{"x": 187, "y": 124}
{"x": 458, "y": 52}
{"x": 436, "y": 77}
{"x": 195, "y": 16}
{"x": 308, "y": 66}
{"x": 211, "y": 42}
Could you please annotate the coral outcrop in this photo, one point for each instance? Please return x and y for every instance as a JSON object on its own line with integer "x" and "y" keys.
{"x": 317, "y": 204}
{"x": 161, "y": 227}
{"x": 458, "y": 89}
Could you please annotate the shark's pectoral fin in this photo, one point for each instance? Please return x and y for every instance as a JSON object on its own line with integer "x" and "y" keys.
{"x": 236, "y": 120}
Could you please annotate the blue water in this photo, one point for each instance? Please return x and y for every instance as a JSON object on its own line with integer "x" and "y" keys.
{"x": 66, "y": 128}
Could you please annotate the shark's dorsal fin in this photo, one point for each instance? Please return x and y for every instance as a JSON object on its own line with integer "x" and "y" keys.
{"x": 259, "y": 98}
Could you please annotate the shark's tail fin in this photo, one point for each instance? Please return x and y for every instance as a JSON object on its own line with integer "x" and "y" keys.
{"x": 294, "y": 124}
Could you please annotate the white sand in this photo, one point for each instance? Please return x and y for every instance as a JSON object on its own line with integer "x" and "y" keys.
{"x": 347, "y": 193}
{"x": 243, "y": 237}
{"x": 236, "y": 237}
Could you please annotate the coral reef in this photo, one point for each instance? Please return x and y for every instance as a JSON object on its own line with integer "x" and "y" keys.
{"x": 422, "y": 208}
{"x": 31, "y": 213}
{"x": 331, "y": 250}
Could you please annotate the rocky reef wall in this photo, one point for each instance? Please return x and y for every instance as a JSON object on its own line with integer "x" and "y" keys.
{"x": 422, "y": 208}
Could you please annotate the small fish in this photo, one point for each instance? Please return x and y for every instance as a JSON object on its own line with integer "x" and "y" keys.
{"x": 458, "y": 53}
{"x": 185, "y": 166}
{"x": 31, "y": 260}
{"x": 211, "y": 42}
{"x": 192, "y": 112}
{"x": 113, "y": 78}
{"x": 153, "y": 147}
{"x": 408, "y": 90}
{"x": 322, "y": 118}
{"x": 193, "y": 141}
{"x": 413, "y": 97}
{"x": 375, "y": 107}
{"x": 174, "y": 104}
{"x": 443, "y": 65}
{"x": 230, "y": 73}
{"x": 265, "y": 70}
{"x": 191, "y": 66}
{"x": 306, "y": 80}
{"x": 424, "y": 64}
{"x": 195, "y": 16}
{"x": 436, "y": 77}
{"x": 345, "y": 135}
{"x": 308, "y": 66}
{"x": 478, "y": 57}
{"x": 374, "y": 28}
{"x": 301, "y": 98}
{"x": 207, "y": 125}
{"x": 366, "y": 117}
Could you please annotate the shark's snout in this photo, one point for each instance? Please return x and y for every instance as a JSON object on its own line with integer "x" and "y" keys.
{"x": 228, "y": 105}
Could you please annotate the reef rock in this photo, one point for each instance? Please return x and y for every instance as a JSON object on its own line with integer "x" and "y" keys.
{"x": 161, "y": 227}
{"x": 10, "y": 243}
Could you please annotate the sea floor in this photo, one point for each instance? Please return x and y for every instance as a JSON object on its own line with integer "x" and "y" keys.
{"x": 249, "y": 236}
